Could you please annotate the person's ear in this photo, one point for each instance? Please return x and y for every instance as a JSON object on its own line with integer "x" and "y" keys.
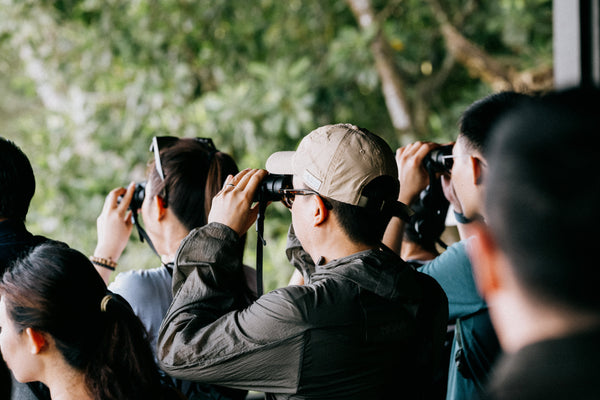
{"x": 487, "y": 260}
{"x": 477, "y": 167}
{"x": 36, "y": 340}
{"x": 161, "y": 207}
{"x": 320, "y": 212}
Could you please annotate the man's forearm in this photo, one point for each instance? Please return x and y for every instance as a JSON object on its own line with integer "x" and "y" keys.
{"x": 394, "y": 232}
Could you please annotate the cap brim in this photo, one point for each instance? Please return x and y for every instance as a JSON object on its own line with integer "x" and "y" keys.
{"x": 281, "y": 163}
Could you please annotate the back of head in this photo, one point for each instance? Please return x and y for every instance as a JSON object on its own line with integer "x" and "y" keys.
{"x": 55, "y": 290}
{"x": 543, "y": 195}
{"x": 477, "y": 121}
{"x": 17, "y": 183}
{"x": 352, "y": 168}
{"x": 367, "y": 224}
{"x": 194, "y": 173}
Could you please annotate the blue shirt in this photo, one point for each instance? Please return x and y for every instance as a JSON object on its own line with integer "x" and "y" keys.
{"x": 453, "y": 271}
{"x": 148, "y": 291}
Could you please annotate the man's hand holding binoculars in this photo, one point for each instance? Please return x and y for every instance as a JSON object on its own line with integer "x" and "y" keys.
{"x": 233, "y": 205}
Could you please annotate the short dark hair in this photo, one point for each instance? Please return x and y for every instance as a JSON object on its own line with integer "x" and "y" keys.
{"x": 367, "y": 224}
{"x": 194, "y": 174}
{"x": 477, "y": 120}
{"x": 543, "y": 195}
{"x": 17, "y": 183}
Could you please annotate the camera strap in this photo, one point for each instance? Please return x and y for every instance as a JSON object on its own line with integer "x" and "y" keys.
{"x": 260, "y": 244}
{"x": 400, "y": 210}
{"x": 142, "y": 233}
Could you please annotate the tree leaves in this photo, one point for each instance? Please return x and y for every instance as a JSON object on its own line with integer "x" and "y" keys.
{"x": 87, "y": 83}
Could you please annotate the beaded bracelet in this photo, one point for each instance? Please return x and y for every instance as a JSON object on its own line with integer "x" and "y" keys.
{"x": 103, "y": 262}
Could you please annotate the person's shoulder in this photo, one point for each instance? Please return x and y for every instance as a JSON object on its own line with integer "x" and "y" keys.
{"x": 141, "y": 280}
{"x": 144, "y": 289}
{"x": 455, "y": 257}
{"x": 458, "y": 249}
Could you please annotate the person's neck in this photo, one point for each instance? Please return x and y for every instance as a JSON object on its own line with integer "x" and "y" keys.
{"x": 413, "y": 251}
{"x": 335, "y": 245}
{"x": 65, "y": 383}
{"x": 520, "y": 323}
{"x": 344, "y": 251}
{"x": 173, "y": 234}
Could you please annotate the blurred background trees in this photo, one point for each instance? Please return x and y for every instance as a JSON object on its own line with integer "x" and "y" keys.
{"x": 87, "y": 83}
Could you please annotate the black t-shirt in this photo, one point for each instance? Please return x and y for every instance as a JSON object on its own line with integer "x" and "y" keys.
{"x": 565, "y": 368}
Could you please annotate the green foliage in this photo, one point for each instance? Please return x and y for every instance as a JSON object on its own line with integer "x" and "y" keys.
{"x": 87, "y": 83}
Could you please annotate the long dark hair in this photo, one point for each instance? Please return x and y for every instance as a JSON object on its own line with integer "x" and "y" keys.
{"x": 56, "y": 290}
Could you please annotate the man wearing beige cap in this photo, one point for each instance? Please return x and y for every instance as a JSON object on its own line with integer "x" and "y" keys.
{"x": 364, "y": 325}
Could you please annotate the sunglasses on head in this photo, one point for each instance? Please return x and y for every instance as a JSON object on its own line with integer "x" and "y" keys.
{"x": 162, "y": 142}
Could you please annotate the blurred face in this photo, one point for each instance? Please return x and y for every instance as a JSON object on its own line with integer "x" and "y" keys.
{"x": 463, "y": 179}
{"x": 15, "y": 349}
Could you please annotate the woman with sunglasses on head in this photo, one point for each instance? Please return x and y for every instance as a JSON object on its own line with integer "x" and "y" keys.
{"x": 183, "y": 177}
{"x": 60, "y": 326}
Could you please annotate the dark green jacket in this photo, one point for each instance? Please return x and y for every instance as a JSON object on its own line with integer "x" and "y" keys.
{"x": 366, "y": 326}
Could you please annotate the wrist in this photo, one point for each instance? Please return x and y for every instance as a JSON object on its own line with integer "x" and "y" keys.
{"x": 107, "y": 253}
{"x": 408, "y": 198}
{"x": 103, "y": 262}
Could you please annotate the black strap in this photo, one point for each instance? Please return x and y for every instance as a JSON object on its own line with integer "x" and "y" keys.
{"x": 260, "y": 243}
{"x": 400, "y": 210}
{"x": 142, "y": 232}
{"x": 169, "y": 266}
{"x": 474, "y": 360}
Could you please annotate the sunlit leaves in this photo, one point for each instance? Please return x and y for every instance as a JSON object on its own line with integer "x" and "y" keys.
{"x": 87, "y": 83}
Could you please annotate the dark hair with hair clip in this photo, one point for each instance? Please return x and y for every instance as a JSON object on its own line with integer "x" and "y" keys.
{"x": 56, "y": 290}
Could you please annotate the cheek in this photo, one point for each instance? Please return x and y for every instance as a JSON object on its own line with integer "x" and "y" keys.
{"x": 8, "y": 347}
{"x": 297, "y": 223}
{"x": 457, "y": 180}
{"x": 145, "y": 211}
{"x": 19, "y": 360}
{"x": 3, "y": 347}
{"x": 301, "y": 220}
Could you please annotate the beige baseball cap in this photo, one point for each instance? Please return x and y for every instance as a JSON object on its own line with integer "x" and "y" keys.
{"x": 337, "y": 161}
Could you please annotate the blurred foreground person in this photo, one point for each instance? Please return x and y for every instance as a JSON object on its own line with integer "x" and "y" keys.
{"x": 365, "y": 325}
{"x": 535, "y": 261}
{"x": 17, "y": 186}
{"x": 60, "y": 326}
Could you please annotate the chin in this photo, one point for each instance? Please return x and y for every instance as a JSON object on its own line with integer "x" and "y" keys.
{"x": 23, "y": 377}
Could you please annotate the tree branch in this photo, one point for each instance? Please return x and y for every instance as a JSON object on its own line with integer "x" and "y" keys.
{"x": 479, "y": 63}
{"x": 391, "y": 81}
